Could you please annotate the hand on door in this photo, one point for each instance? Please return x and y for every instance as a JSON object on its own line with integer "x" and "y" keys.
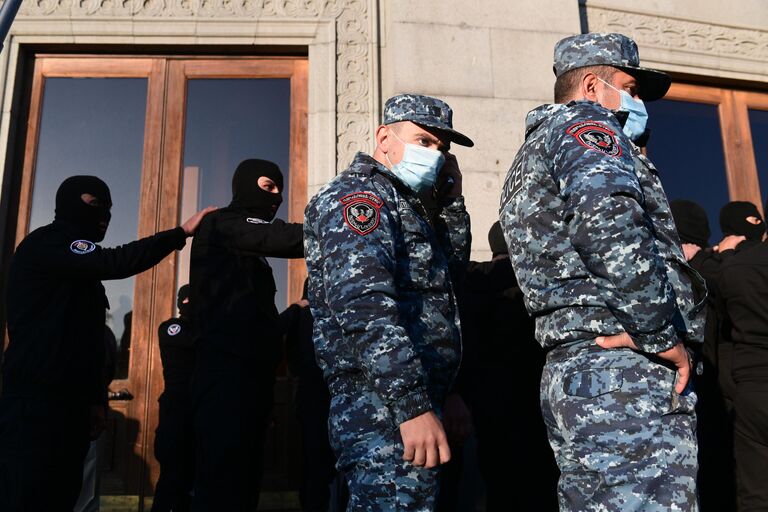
{"x": 190, "y": 226}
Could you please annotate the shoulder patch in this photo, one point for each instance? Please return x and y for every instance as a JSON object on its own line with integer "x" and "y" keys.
{"x": 597, "y": 136}
{"x": 174, "y": 329}
{"x": 82, "y": 247}
{"x": 361, "y": 211}
{"x": 256, "y": 220}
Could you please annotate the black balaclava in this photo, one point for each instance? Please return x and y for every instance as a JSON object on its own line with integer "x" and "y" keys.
{"x": 246, "y": 193}
{"x": 71, "y": 208}
{"x": 496, "y": 240}
{"x": 733, "y": 220}
{"x": 182, "y": 296}
{"x": 691, "y": 222}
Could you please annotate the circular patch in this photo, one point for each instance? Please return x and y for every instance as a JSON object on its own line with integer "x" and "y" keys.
{"x": 82, "y": 247}
{"x": 174, "y": 329}
{"x": 597, "y": 136}
{"x": 361, "y": 211}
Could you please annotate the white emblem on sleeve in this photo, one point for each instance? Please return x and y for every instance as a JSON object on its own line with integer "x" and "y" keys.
{"x": 82, "y": 247}
{"x": 174, "y": 329}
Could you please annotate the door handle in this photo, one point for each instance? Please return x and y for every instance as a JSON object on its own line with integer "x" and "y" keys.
{"x": 122, "y": 394}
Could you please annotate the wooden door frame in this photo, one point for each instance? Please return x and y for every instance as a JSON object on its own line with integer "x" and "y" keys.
{"x": 733, "y": 116}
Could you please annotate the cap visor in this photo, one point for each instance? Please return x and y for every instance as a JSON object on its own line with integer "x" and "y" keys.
{"x": 451, "y": 134}
{"x": 652, "y": 84}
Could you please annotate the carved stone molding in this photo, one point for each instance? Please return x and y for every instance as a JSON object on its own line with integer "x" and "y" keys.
{"x": 678, "y": 35}
{"x": 354, "y": 39}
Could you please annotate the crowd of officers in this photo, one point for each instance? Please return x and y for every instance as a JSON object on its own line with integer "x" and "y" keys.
{"x": 382, "y": 400}
{"x": 215, "y": 407}
{"x": 233, "y": 407}
{"x": 731, "y": 377}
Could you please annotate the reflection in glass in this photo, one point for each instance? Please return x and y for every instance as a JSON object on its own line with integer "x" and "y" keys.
{"x": 227, "y": 121}
{"x": 758, "y": 124}
{"x": 94, "y": 126}
{"x": 686, "y": 147}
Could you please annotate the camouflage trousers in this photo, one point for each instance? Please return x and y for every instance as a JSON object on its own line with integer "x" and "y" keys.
{"x": 623, "y": 438}
{"x": 370, "y": 450}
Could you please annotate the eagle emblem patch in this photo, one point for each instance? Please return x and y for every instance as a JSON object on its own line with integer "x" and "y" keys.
{"x": 361, "y": 211}
{"x": 596, "y": 136}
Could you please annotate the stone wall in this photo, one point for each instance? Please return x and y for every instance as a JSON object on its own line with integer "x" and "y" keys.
{"x": 708, "y": 38}
{"x": 492, "y": 62}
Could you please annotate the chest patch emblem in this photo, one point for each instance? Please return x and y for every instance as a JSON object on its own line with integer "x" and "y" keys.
{"x": 596, "y": 136}
{"x": 361, "y": 211}
{"x": 256, "y": 220}
{"x": 174, "y": 329}
{"x": 82, "y": 247}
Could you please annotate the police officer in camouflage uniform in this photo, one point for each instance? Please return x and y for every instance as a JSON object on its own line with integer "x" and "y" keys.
{"x": 596, "y": 253}
{"x": 385, "y": 241}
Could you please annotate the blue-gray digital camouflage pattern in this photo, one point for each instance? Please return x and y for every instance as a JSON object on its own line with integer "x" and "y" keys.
{"x": 595, "y": 250}
{"x": 623, "y": 438}
{"x": 591, "y": 236}
{"x": 386, "y": 327}
{"x": 617, "y": 50}
{"x": 426, "y": 111}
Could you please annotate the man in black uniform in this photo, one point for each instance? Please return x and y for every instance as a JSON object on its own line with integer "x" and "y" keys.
{"x": 174, "y": 437}
{"x": 237, "y": 333}
{"x": 713, "y": 426}
{"x": 313, "y": 403}
{"x": 54, "y": 398}
{"x": 744, "y": 287}
{"x": 500, "y": 376}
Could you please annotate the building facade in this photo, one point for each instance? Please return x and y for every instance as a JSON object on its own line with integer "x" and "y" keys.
{"x": 163, "y": 97}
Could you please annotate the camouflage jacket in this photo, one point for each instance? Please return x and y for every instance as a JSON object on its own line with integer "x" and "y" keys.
{"x": 380, "y": 287}
{"x": 591, "y": 236}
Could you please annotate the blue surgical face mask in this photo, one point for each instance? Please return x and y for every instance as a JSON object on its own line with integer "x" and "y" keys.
{"x": 419, "y": 166}
{"x": 637, "y": 116}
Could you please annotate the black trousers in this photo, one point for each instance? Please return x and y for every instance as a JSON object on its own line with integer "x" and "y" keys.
{"x": 175, "y": 451}
{"x": 319, "y": 463}
{"x": 509, "y": 427}
{"x": 43, "y": 444}
{"x": 231, "y": 417}
{"x": 751, "y": 445}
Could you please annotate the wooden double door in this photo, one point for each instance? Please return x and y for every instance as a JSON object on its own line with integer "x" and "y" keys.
{"x": 165, "y": 133}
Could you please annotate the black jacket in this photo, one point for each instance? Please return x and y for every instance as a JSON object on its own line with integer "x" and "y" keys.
{"x": 707, "y": 263}
{"x": 232, "y": 290}
{"x": 744, "y": 287}
{"x": 56, "y": 309}
{"x": 177, "y": 353}
{"x": 499, "y": 335}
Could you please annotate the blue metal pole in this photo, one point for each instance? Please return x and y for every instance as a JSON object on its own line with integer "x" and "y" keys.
{"x": 7, "y": 14}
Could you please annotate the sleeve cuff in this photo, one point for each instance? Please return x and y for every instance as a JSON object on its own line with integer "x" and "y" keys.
{"x": 179, "y": 237}
{"x": 410, "y": 406}
{"x": 658, "y": 341}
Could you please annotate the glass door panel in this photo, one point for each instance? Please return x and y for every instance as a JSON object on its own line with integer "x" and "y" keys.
{"x": 686, "y": 146}
{"x": 227, "y": 121}
{"x": 758, "y": 124}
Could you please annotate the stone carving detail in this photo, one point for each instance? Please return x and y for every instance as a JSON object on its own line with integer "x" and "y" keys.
{"x": 681, "y": 35}
{"x": 354, "y": 94}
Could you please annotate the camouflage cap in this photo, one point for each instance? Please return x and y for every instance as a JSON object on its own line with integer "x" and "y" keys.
{"x": 424, "y": 111}
{"x": 615, "y": 50}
